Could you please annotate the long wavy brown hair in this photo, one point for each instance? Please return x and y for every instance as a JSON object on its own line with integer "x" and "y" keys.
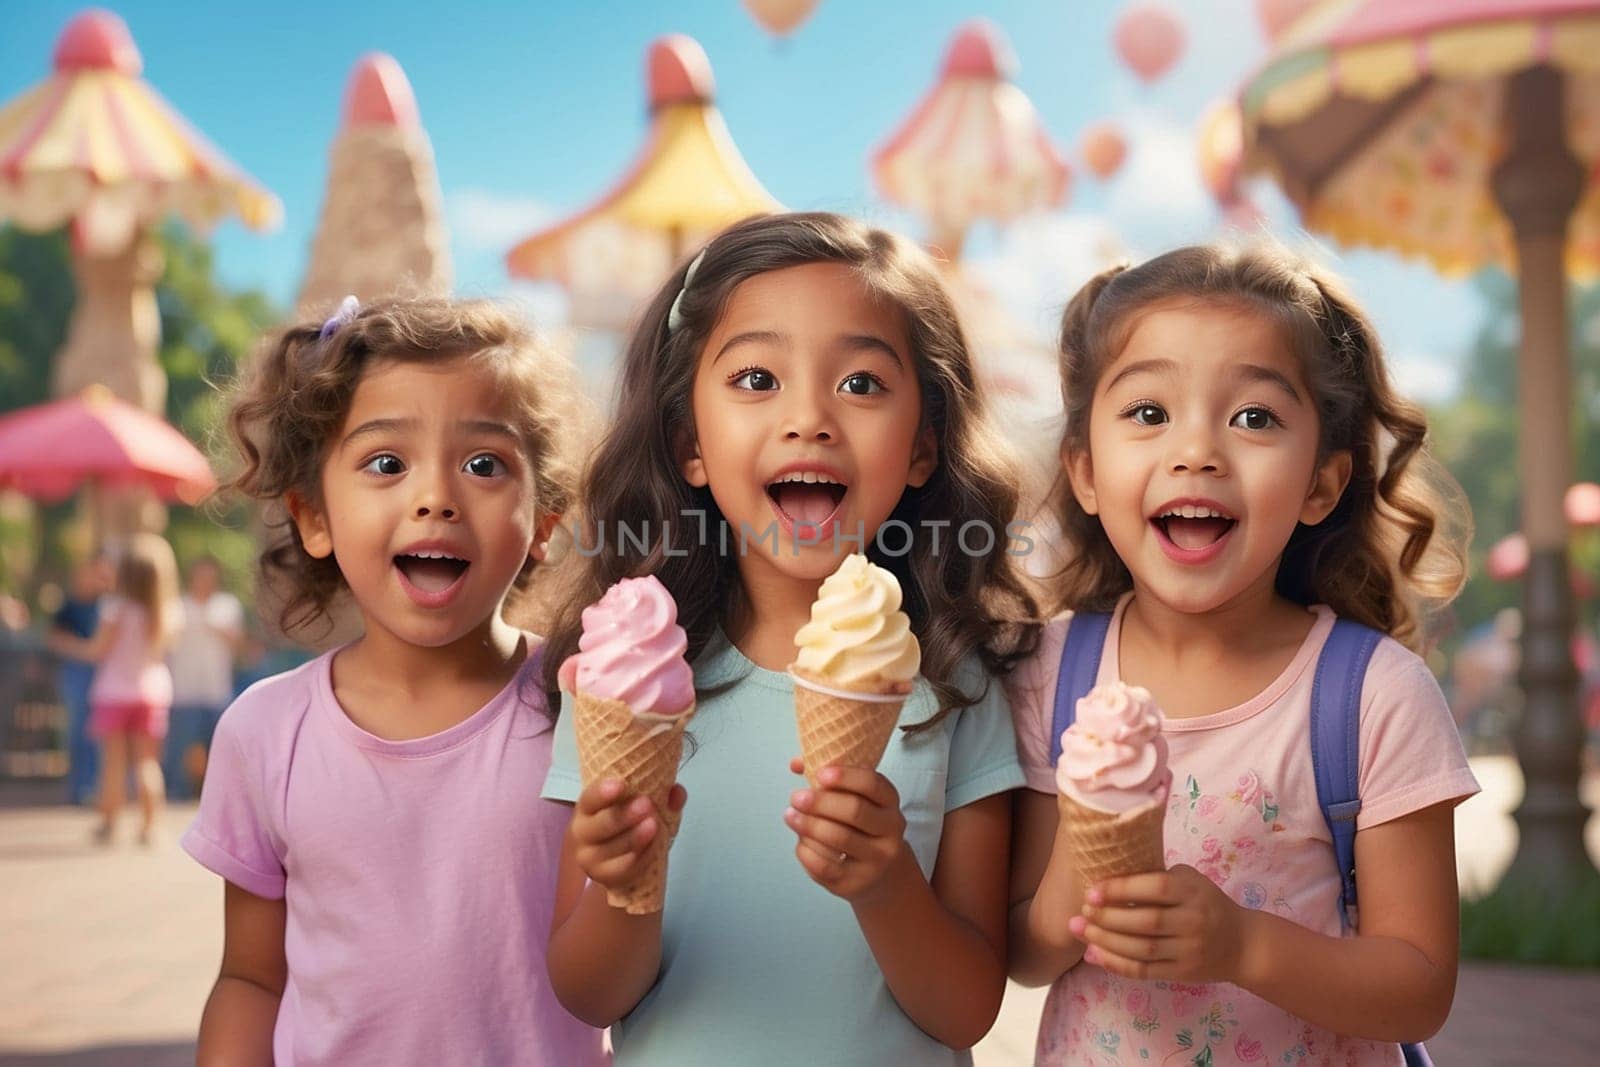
{"x": 147, "y": 575}
{"x": 960, "y": 604}
{"x": 1394, "y": 548}
{"x": 294, "y": 395}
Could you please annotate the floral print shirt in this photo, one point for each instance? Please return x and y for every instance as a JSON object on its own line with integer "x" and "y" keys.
{"x": 1243, "y": 811}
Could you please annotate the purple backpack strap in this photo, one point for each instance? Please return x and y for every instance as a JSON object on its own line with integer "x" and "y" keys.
{"x": 1080, "y": 664}
{"x": 1336, "y": 758}
{"x": 1336, "y": 741}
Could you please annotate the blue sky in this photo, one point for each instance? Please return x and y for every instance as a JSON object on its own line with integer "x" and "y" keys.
{"x": 533, "y": 107}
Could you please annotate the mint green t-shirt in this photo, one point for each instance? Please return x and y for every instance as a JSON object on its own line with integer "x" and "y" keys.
{"x": 759, "y": 964}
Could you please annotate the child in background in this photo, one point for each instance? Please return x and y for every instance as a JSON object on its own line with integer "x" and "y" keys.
{"x": 798, "y": 386}
{"x": 73, "y": 624}
{"x": 131, "y": 694}
{"x": 209, "y": 637}
{"x": 1242, "y": 474}
{"x": 375, "y": 813}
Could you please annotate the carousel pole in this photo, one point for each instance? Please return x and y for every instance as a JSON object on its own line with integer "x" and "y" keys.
{"x": 115, "y": 330}
{"x": 112, "y": 344}
{"x": 1538, "y": 186}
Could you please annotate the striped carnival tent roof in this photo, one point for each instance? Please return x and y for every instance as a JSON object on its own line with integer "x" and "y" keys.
{"x": 973, "y": 148}
{"x": 96, "y": 144}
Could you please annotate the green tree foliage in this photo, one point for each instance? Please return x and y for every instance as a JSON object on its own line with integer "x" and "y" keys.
{"x": 1475, "y": 435}
{"x": 35, "y": 303}
{"x": 206, "y": 331}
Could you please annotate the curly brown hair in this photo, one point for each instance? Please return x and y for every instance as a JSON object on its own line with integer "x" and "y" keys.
{"x": 1394, "y": 547}
{"x": 293, "y": 397}
{"x": 960, "y": 604}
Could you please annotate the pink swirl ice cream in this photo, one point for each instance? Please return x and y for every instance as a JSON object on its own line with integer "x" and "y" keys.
{"x": 1113, "y": 757}
{"x": 632, "y": 650}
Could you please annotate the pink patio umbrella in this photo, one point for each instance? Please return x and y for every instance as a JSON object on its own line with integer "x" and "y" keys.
{"x": 974, "y": 147}
{"x": 1468, "y": 132}
{"x": 48, "y": 451}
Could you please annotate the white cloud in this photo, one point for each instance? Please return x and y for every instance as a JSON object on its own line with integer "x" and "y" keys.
{"x": 1157, "y": 200}
{"x": 543, "y": 304}
{"x": 1424, "y": 377}
{"x": 483, "y": 220}
{"x": 1036, "y": 265}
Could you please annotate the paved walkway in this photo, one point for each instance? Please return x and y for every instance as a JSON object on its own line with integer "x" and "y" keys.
{"x": 106, "y": 956}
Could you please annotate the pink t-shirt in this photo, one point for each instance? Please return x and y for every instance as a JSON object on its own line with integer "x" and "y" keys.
{"x": 419, "y": 876}
{"x": 1244, "y": 812}
{"x": 130, "y": 672}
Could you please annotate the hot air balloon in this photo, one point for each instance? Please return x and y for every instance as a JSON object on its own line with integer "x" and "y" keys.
{"x": 780, "y": 17}
{"x": 1149, "y": 38}
{"x": 1103, "y": 149}
{"x": 1220, "y": 149}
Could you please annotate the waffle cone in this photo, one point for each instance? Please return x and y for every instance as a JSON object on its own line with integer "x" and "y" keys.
{"x": 851, "y": 733}
{"x": 1105, "y": 845}
{"x": 613, "y": 744}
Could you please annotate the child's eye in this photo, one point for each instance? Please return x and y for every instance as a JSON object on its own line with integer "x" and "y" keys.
{"x": 485, "y": 466}
{"x": 1146, "y": 414}
{"x": 862, "y": 384}
{"x": 755, "y": 379}
{"x": 1254, "y": 419}
{"x": 385, "y": 464}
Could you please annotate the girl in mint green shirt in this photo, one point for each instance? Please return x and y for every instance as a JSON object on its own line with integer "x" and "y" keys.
{"x": 800, "y": 391}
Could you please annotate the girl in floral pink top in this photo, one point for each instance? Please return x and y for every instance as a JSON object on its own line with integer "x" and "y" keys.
{"x": 1238, "y": 473}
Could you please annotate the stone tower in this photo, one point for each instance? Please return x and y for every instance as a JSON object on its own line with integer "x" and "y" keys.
{"x": 382, "y": 229}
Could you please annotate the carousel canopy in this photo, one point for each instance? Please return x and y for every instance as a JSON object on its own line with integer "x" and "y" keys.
{"x": 974, "y": 147}
{"x": 687, "y": 183}
{"x": 94, "y": 142}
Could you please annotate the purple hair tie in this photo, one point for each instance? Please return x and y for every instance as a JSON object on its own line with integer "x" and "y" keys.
{"x": 347, "y": 311}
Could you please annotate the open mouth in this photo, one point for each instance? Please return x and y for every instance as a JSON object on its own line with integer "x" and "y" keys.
{"x": 807, "y": 497}
{"x": 431, "y": 572}
{"x": 1194, "y": 527}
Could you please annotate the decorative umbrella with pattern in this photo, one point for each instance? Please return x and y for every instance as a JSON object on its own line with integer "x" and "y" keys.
{"x": 1468, "y": 132}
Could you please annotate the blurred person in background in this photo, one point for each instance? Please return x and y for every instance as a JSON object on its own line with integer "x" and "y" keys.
{"x": 71, "y": 626}
{"x": 209, "y": 638}
{"x": 131, "y": 695}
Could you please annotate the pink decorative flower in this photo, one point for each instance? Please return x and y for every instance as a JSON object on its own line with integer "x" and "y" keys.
{"x": 1207, "y": 807}
{"x": 1249, "y": 788}
{"x": 1137, "y": 1001}
{"x": 1248, "y": 1051}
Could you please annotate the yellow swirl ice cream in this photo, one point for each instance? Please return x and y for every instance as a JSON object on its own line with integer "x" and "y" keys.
{"x": 857, "y": 658}
{"x": 858, "y": 638}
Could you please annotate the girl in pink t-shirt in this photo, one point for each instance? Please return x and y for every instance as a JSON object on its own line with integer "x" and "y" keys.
{"x": 390, "y": 866}
{"x": 132, "y": 688}
{"x": 1238, "y": 472}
